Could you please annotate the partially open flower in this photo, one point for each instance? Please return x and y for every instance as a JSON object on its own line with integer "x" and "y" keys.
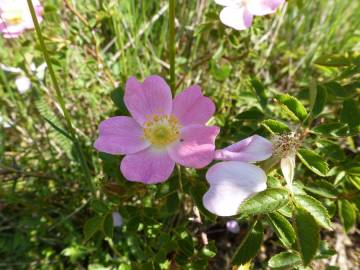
{"x": 15, "y": 17}
{"x": 160, "y": 131}
{"x": 233, "y": 181}
{"x": 239, "y": 14}
{"x": 23, "y": 84}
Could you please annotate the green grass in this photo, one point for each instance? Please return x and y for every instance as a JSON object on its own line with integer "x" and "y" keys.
{"x": 95, "y": 46}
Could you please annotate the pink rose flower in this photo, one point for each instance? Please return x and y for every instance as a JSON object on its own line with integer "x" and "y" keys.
{"x": 235, "y": 180}
{"x": 15, "y": 17}
{"x": 239, "y": 14}
{"x": 161, "y": 131}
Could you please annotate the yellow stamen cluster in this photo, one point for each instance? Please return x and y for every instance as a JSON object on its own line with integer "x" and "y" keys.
{"x": 161, "y": 130}
{"x": 12, "y": 17}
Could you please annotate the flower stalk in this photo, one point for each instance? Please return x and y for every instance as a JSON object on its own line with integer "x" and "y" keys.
{"x": 172, "y": 44}
{"x": 60, "y": 98}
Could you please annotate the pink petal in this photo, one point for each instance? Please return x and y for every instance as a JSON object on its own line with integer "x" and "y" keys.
{"x": 149, "y": 166}
{"x": 263, "y": 7}
{"x": 238, "y": 18}
{"x": 191, "y": 107}
{"x": 226, "y": 3}
{"x": 232, "y": 182}
{"x": 120, "y": 135}
{"x": 254, "y": 148}
{"x": 151, "y": 97}
{"x": 196, "y": 147}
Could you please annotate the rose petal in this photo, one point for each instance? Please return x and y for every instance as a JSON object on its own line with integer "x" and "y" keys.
{"x": 196, "y": 147}
{"x": 232, "y": 182}
{"x": 191, "y": 107}
{"x": 120, "y": 135}
{"x": 226, "y": 3}
{"x": 149, "y": 166}
{"x": 263, "y": 7}
{"x": 287, "y": 165}
{"x": 151, "y": 97}
{"x": 238, "y": 18}
{"x": 254, "y": 148}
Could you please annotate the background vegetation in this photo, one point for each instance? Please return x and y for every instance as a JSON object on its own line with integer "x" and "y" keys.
{"x": 95, "y": 45}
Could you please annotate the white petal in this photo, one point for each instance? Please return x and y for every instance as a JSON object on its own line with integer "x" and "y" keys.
{"x": 238, "y": 18}
{"x": 237, "y": 172}
{"x": 288, "y": 168}
{"x": 231, "y": 183}
{"x": 224, "y": 199}
{"x": 23, "y": 84}
{"x": 226, "y": 3}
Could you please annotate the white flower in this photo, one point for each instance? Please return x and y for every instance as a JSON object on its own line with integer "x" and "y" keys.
{"x": 239, "y": 14}
{"x": 23, "y": 84}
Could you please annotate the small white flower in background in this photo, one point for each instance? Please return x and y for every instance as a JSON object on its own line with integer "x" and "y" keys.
{"x": 39, "y": 71}
{"x": 117, "y": 219}
{"x": 239, "y": 14}
{"x": 233, "y": 226}
{"x": 4, "y": 123}
{"x": 23, "y": 84}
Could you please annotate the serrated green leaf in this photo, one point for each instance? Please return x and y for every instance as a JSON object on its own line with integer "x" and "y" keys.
{"x": 275, "y": 127}
{"x": 99, "y": 206}
{"x": 315, "y": 208}
{"x": 333, "y": 61}
{"x": 108, "y": 225}
{"x": 313, "y": 162}
{"x": 285, "y": 259}
{"x": 308, "y": 235}
{"x": 322, "y": 188}
{"x": 355, "y": 180}
{"x": 293, "y": 106}
{"x": 260, "y": 92}
{"x": 350, "y": 112}
{"x": 91, "y": 226}
{"x": 208, "y": 252}
{"x": 336, "y": 89}
{"x": 250, "y": 245}
{"x": 283, "y": 228}
{"x": 320, "y": 96}
{"x": 264, "y": 202}
{"x": 347, "y": 214}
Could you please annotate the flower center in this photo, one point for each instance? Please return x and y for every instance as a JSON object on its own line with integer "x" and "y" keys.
{"x": 286, "y": 144}
{"x": 12, "y": 16}
{"x": 161, "y": 130}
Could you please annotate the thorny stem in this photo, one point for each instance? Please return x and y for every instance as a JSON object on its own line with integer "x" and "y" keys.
{"x": 60, "y": 98}
{"x": 172, "y": 44}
